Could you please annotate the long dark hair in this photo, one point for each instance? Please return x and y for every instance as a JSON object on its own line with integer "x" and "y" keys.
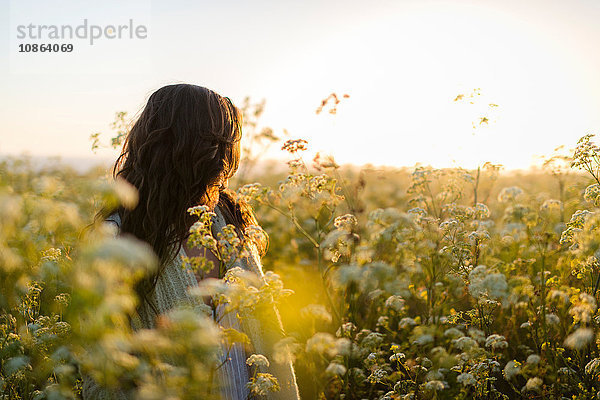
{"x": 185, "y": 140}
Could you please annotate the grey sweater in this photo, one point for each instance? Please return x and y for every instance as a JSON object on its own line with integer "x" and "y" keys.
{"x": 172, "y": 289}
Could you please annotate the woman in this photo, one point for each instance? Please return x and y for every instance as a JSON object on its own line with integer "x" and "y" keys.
{"x": 180, "y": 153}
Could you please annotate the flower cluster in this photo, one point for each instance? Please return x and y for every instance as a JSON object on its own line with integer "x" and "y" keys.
{"x": 391, "y": 284}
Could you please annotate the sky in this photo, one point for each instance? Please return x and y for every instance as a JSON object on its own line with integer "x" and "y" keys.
{"x": 401, "y": 62}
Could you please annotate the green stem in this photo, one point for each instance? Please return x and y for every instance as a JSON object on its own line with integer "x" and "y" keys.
{"x": 432, "y": 200}
{"x": 295, "y": 221}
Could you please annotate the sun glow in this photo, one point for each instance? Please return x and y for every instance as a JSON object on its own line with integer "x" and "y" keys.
{"x": 401, "y": 63}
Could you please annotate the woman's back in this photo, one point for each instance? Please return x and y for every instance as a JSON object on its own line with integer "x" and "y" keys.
{"x": 179, "y": 154}
{"x": 172, "y": 289}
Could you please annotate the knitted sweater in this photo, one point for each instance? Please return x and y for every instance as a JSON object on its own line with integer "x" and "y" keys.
{"x": 172, "y": 289}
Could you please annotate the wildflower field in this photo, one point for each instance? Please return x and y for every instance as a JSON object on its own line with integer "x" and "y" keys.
{"x": 391, "y": 284}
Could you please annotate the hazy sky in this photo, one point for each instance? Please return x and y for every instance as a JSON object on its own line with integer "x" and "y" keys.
{"x": 402, "y": 63}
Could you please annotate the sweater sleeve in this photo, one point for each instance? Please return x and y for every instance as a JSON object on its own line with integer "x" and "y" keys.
{"x": 91, "y": 390}
{"x": 265, "y": 334}
{"x": 284, "y": 370}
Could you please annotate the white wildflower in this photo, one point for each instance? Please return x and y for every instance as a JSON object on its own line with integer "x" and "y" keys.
{"x": 434, "y": 375}
{"x": 464, "y": 343}
{"x": 466, "y": 379}
{"x": 383, "y": 321}
{"x": 534, "y": 384}
{"x": 262, "y": 384}
{"x": 453, "y": 333}
{"x": 343, "y": 347}
{"x": 424, "y": 362}
{"x": 395, "y": 302}
{"x": 406, "y": 322}
{"x": 345, "y": 222}
{"x": 434, "y": 386}
{"x": 316, "y": 311}
{"x": 552, "y": 319}
{"x": 579, "y": 339}
{"x": 477, "y": 334}
{"x": 335, "y": 369}
{"x": 559, "y": 295}
{"x": 126, "y": 193}
{"x": 372, "y": 341}
{"x": 496, "y": 342}
{"x": 372, "y": 357}
{"x": 259, "y": 360}
{"x": 509, "y": 194}
{"x": 583, "y": 308}
{"x": 593, "y": 367}
{"x": 423, "y": 340}
{"x": 512, "y": 369}
{"x": 346, "y": 329}
{"x": 533, "y": 359}
{"x": 321, "y": 342}
{"x": 483, "y": 283}
{"x": 377, "y": 376}
{"x": 551, "y": 205}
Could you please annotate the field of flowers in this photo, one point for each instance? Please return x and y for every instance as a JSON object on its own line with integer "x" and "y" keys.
{"x": 391, "y": 284}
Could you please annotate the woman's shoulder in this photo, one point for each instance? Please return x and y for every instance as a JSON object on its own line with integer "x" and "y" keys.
{"x": 114, "y": 217}
{"x": 114, "y": 221}
{"x": 218, "y": 219}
